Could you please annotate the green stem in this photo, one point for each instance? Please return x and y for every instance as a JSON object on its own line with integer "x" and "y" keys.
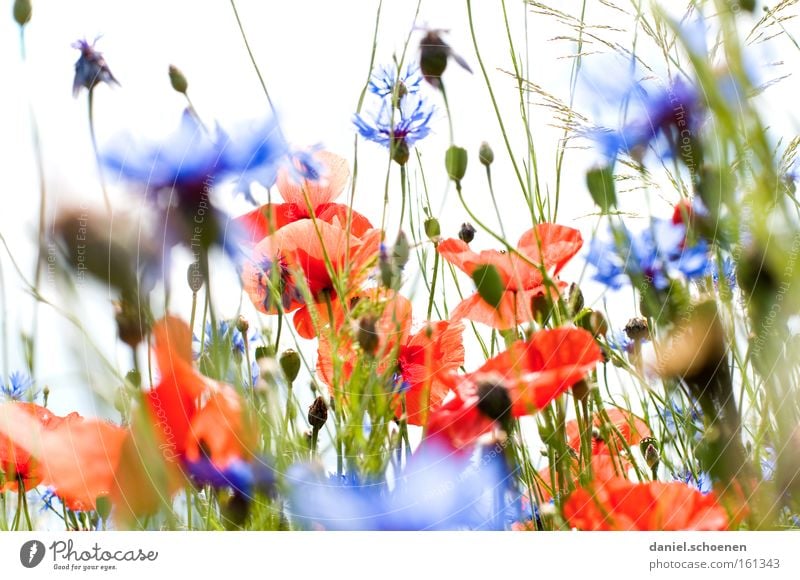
{"x": 250, "y": 54}
{"x": 433, "y": 280}
{"x": 90, "y": 102}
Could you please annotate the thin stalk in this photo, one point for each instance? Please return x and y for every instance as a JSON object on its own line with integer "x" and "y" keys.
{"x": 90, "y": 103}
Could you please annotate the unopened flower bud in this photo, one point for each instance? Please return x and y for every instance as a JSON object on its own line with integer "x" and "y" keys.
{"x": 467, "y": 232}
{"x": 46, "y": 394}
{"x": 649, "y": 448}
{"x": 402, "y": 251}
{"x": 485, "y": 154}
{"x": 318, "y": 413}
{"x": 574, "y": 299}
{"x": 132, "y": 325}
{"x": 637, "y": 330}
{"x": 22, "y": 11}
{"x": 598, "y": 325}
{"x": 242, "y": 325}
{"x": 367, "y": 334}
{"x": 177, "y": 80}
{"x": 580, "y": 390}
{"x": 432, "y": 229}
{"x": 455, "y": 161}
{"x": 494, "y": 401}
{"x": 433, "y": 53}
{"x": 194, "y": 276}
{"x": 290, "y": 364}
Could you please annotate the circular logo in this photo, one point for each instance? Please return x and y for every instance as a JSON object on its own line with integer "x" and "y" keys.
{"x": 31, "y": 553}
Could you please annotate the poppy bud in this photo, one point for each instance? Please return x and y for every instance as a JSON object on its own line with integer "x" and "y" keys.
{"x": 455, "y": 161}
{"x": 401, "y": 91}
{"x": 22, "y": 11}
{"x": 432, "y": 229}
{"x": 46, "y": 394}
{"x": 194, "y": 277}
{"x": 489, "y": 284}
{"x": 318, "y": 413}
{"x": 749, "y": 5}
{"x": 637, "y": 330}
{"x": 598, "y": 325}
{"x": 290, "y": 364}
{"x": 433, "y": 53}
{"x": 600, "y": 183}
{"x": 485, "y": 154}
{"x": 574, "y": 299}
{"x": 494, "y": 401}
{"x": 580, "y": 390}
{"x": 467, "y": 233}
{"x": 386, "y": 268}
{"x": 132, "y": 323}
{"x": 134, "y": 377}
{"x": 177, "y": 80}
{"x": 242, "y": 325}
{"x": 649, "y": 448}
{"x": 400, "y": 152}
{"x": 402, "y": 251}
{"x": 542, "y": 307}
{"x": 367, "y": 334}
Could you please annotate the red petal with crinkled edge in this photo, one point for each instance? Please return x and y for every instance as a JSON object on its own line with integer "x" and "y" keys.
{"x": 333, "y": 176}
{"x": 551, "y": 245}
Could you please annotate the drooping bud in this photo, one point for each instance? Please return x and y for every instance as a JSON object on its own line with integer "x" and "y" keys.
{"x": 432, "y": 229}
{"x": 598, "y": 325}
{"x": 455, "y": 161}
{"x": 290, "y": 364}
{"x": 242, "y": 325}
{"x": 23, "y": 10}
{"x": 367, "y": 335}
{"x": 177, "y": 80}
{"x": 485, "y": 154}
{"x": 318, "y": 413}
{"x": 541, "y": 307}
{"x": 494, "y": 401}
{"x": 132, "y": 323}
{"x": 91, "y": 69}
{"x": 433, "y": 53}
{"x": 467, "y": 232}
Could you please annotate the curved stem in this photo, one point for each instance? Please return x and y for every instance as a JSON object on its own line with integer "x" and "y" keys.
{"x": 433, "y": 280}
{"x": 90, "y": 102}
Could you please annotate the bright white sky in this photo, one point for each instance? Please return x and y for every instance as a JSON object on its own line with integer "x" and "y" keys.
{"x": 314, "y": 56}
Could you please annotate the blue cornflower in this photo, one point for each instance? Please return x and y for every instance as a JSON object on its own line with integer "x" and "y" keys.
{"x": 434, "y": 492}
{"x": 680, "y": 419}
{"x": 666, "y": 118}
{"x": 91, "y": 68}
{"x": 383, "y": 80}
{"x": 656, "y": 254}
{"x": 411, "y": 122}
{"x": 620, "y": 341}
{"x": 228, "y": 331}
{"x": 195, "y": 158}
{"x": 242, "y": 477}
{"x": 702, "y": 482}
{"x": 727, "y": 269}
{"x": 18, "y": 387}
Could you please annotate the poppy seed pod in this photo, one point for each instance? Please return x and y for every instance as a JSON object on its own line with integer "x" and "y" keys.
{"x": 467, "y": 232}
{"x": 22, "y": 12}
{"x": 318, "y": 413}
{"x": 177, "y": 80}
{"x": 290, "y": 364}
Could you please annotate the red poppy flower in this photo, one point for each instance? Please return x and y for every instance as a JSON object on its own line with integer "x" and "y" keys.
{"x": 683, "y": 211}
{"x": 299, "y": 254}
{"x": 307, "y": 198}
{"x": 419, "y": 361}
{"x": 16, "y": 459}
{"x": 547, "y": 246}
{"x": 622, "y": 424}
{"x": 619, "y": 504}
{"x": 525, "y": 378}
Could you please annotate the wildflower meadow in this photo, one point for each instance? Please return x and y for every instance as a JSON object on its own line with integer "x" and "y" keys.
{"x": 400, "y": 265}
